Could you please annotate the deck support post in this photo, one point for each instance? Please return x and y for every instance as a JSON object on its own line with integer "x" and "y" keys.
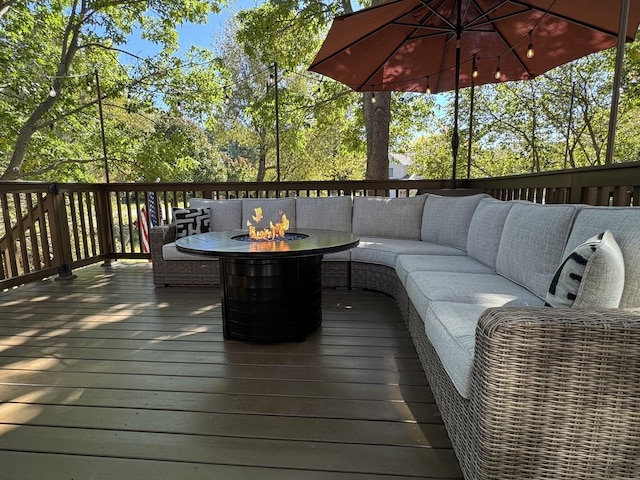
{"x": 60, "y": 235}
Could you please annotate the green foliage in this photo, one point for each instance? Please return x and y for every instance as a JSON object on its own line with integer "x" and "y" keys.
{"x": 57, "y": 45}
{"x": 316, "y": 119}
{"x": 558, "y": 120}
{"x": 209, "y": 114}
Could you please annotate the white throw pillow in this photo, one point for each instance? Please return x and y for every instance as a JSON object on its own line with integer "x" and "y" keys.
{"x": 592, "y": 276}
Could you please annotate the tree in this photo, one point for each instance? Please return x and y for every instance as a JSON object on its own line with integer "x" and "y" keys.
{"x": 314, "y": 116}
{"x": 5, "y": 5}
{"x": 290, "y": 32}
{"x": 68, "y": 39}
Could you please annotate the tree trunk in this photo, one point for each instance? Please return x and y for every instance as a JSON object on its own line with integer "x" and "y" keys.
{"x": 377, "y": 108}
{"x": 24, "y": 137}
{"x": 377, "y": 117}
{"x": 70, "y": 47}
{"x": 6, "y": 5}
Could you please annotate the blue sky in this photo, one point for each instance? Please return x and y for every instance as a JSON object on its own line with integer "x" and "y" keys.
{"x": 193, "y": 34}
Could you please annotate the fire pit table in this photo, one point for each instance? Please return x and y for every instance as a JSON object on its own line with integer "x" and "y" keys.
{"x": 271, "y": 290}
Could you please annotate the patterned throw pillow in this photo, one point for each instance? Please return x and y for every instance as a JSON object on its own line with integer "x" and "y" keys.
{"x": 190, "y": 221}
{"x": 592, "y": 276}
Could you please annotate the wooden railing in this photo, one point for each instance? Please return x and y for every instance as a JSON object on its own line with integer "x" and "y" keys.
{"x": 51, "y": 229}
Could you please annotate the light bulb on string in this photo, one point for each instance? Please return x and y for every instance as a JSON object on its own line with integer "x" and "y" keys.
{"x": 474, "y": 72}
{"x": 373, "y": 97}
{"x": 428, "y": 90}
{"x": 530, "y": 51}
{"x": 498, "y": 73}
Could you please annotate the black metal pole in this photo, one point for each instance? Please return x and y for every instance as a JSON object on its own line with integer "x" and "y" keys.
{"x": 473, "y": 87}
{"x": 104, "y": 140}
{"x": 617, "y": 80}
{"x": 275, "y": 79}
{"x": 455, "y": 139}
{"x": 569, "y": 124}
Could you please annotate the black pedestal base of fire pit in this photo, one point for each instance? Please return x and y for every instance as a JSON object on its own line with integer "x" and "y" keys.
{"x": 274, "y": 300}
{"x": 271, "y": 291}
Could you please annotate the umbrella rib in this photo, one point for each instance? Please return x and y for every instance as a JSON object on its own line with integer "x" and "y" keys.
{"x": 569, "y": 19}
{"x": 423, "y": 27}
{"x": 443, "y": 62}
{"x": 360, "y": 39}
{"x": 416, "y": 28}
{"x": 391, "y": 54}
{"x": 485, "y": 15}
{"x": 510, "y": 48}
{"x": 434, "y": 11}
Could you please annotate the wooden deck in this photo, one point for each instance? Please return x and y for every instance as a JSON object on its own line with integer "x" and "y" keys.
{"x": 105, "y": 377}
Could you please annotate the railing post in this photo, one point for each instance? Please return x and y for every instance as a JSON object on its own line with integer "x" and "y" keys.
{"x": 104, "y": 222}
{"x": 60, "y": 236}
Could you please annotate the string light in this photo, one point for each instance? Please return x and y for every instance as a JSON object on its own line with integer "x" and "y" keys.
{"x": 498, "y": 73}
{"x": 373, "y": 97}
{"x": 530, "y": 51}
{"x": 474, "y": 72}
{"x": 428, "y": 87}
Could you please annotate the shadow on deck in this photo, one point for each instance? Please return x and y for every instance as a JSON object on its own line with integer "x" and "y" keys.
{"x": 105, "y": 377}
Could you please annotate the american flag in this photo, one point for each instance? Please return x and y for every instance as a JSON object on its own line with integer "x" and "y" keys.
{"x": 144, "y": 224}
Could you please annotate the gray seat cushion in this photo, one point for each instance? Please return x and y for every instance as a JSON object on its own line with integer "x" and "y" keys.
{"x": 451, "y": 329}
{"x": 170, "y": 252}
{"x": 385, "y": 251}
{"x": 490, "y": 290}
{"x": 406, "y": 264}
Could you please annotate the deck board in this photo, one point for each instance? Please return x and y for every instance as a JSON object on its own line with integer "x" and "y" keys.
{"x": 106, "y": 377}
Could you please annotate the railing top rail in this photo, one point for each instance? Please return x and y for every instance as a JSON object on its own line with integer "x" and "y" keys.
{"x": 612, "y": 175}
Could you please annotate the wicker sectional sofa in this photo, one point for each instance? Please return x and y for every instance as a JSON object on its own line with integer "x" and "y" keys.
{"x": 526, "y": 391}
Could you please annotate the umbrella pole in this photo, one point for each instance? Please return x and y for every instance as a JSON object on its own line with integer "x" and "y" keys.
{"x": 455, "y": 139}
{"x": 473, "y": 87}
{"x": 615, "y": 97}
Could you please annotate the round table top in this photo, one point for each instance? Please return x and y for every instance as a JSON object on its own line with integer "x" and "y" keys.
{"x": 223, "y": 244}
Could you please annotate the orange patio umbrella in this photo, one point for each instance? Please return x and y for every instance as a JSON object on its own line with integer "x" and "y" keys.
{"x": 443, "y": 45}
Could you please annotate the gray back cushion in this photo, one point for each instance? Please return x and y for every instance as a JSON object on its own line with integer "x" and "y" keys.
{"x": 225, "y": 214}
{"x": 272, "y": 210}
{"x": 388, "y": 217}
{"x": 533, "y": 243}
{"x": 446, "y": 220}
{"x": 485, "y": 230}
{"x": 624, "y": 224}
{"x": 330, "y": 213}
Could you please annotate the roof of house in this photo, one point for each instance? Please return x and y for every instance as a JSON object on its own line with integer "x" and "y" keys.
{"x": 401, "y": 158}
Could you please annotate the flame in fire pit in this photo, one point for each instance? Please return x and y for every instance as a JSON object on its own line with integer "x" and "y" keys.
{"x": 267, "y": 234}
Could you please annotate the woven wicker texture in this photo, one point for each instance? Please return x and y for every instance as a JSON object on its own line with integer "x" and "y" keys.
{"x": 375, "y": 277}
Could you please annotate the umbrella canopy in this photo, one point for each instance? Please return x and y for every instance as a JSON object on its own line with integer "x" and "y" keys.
{"x": 437, "y": 45}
